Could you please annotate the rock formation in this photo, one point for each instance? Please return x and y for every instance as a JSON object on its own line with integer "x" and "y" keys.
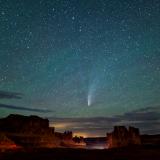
{"x": 67, "y": 140}
{"x": 25, "y": 124}
{"x": 6, "y": 143}
{"x": 32, "y": 131}
{"x": 134, "y": 136}
{"x": 122, "y": 137}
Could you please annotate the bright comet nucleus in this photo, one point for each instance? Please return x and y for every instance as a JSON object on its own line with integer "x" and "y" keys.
{"x": 89, "y": 99}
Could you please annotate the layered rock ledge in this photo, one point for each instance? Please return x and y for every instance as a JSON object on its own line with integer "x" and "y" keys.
{"x": 122, "y": 137}
{"x": 33, "y": 132}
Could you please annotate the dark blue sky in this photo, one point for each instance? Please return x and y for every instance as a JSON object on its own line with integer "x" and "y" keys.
{"x": 78, "y": 58}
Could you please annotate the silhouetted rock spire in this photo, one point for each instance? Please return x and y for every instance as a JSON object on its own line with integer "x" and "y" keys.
{"x": 122, "y": 137}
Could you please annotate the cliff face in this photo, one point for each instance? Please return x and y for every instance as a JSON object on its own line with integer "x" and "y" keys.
{"x": 24, "y": 124}
{"x": 134, "y": 136}
{"x": 28, "y": 131}
{"x": 122, "y": 137}
{"x": 33, "y": 131}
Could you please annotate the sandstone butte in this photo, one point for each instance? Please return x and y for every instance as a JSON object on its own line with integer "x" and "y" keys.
{"x": 18, "y": 131}
{"x": 122, "y": 137}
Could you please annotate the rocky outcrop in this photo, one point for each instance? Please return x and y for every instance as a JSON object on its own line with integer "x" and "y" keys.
{"x": 25, "y": 124}
{"x": 6, "y": 143}
{"x": 28, "y": 131}
{"x": 67, "y": 135}
{"x": 79, "y": 141}
{"x": 121, "y": 137}
{"x": 35, "y": 140}
{"x": 134, "y": 136}
{"x": 67, "y": 140}
{"x": 33, "y": 131}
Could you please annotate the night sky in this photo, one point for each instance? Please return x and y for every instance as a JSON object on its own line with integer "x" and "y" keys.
{"x": 84, "y": 64}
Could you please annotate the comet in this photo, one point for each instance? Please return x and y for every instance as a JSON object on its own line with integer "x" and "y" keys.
{"x": 95, "y": 83}
{"x": 89, "y": 100}
{"x": 91, "y": 94}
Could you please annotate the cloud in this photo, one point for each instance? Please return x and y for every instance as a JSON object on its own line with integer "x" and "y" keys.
{"x": 15, "y": 95}
{"x": 24, "y": 108}
{"x": 144, "y": 114}
{"x": 10, "y": 95}
{"x": 146, "y": 119}
{"x": 147, "y": 109}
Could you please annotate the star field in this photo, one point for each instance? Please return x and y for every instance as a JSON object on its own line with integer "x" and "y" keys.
{"x": 79, "y": 58}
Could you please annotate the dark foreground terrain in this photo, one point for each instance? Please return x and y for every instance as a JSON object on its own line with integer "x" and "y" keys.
{"x": 136, "y": 153}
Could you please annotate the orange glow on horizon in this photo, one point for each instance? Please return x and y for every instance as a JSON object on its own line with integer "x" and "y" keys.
{"x": 70, "y": 126}
{"x": 81, "y": 134}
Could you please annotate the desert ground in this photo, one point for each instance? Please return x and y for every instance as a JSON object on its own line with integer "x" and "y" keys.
{"x": 132, "y": 153}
